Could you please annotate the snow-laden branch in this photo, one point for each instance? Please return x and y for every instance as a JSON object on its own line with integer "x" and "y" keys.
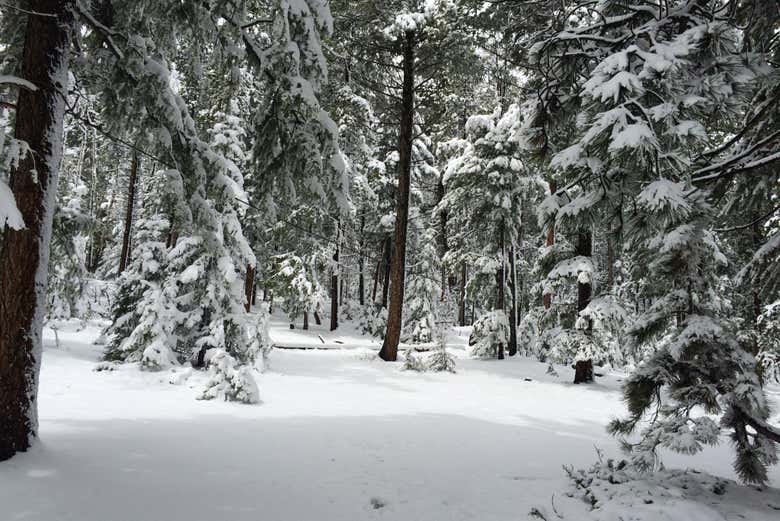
{"x": 19, "y": 82}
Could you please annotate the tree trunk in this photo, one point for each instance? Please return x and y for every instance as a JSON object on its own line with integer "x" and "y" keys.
{"x": 305, "y": 320}
{"x": 583, "y": 370}
{"x": 334, "y": 285}
{"x": 547, "y": 298}
{"x": 501, "y": 282}
{"x": 24, "y": 255}
{"x": 317, "y": 319}
{"x": 610, "y": 265}
{"x": 361, "y": 264}
{"x": 249, "y": 287}
{"x": 376, "y": 282}
{"x": 386, "y": 263}
{"x": 389, "y": 349}
{"x": 442, "y": 236}
{"x": 513, "y": 308}
{"x": 124, "y": 257}
{"x": 462, "y": 297}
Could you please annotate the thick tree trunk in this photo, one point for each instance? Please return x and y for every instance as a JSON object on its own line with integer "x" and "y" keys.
{"x": 583, "y": 370}
{"x": 249, "y": 287}
{"x": 501, "y": 282}
{"x": 334, "y": 286}
{"x": 25, "y": 253}
{"x": 124, "y": 257}
{"x": 389, "y": 349}
{"x": 513, "y": 308}
{"x": 305, "y": 320}
{"x": 462, "y": 297}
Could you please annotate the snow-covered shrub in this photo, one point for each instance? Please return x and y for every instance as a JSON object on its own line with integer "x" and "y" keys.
{"x": 373, "y": 321}
{"x": 490, "y": 331}
{"x": 616, "y": 491}
{"x": 440, "y": 360}
{"x": 228, "y": 380}
{"x": 413, "y": 361}
{"x": 296, "y": 281}
{"x": 157, "y": 356}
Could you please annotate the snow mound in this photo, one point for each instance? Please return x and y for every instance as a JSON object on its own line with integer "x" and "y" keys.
{"x": 228, "y": 380}
{"x": 616, "y": 491}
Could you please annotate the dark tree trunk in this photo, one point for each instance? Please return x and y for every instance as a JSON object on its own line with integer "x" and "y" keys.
{"x": 501, "y": 282}
{"x": 124, "y": 257}
{"x": 513, "y": 307}
{"x": 583, "y": 370}
{"x": 317, "y": 319}
{"x": 610, "y": 265}
{"x": 334, "y": 285}
{"x": 442, "y": 236}
{"x": 547, "y": 299}
{"x": 389, "y": 349}
{"x": 386, "y": 263}
{"x": 305, "y": 320}
{"x": 249, "y": 287}
{"x": 462, "y": 297}
{"x": 361, "y": 264}
{"x": 24, "y": 254}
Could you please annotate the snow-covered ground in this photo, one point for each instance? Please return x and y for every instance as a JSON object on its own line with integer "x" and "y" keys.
{"x": 340, "y": 435}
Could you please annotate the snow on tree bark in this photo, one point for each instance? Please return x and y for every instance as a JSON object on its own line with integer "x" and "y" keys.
{"x": 25, "y": 252}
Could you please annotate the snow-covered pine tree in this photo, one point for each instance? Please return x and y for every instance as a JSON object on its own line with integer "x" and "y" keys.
{"x": 485, "y": 189}
{"x": 659, "y": 80}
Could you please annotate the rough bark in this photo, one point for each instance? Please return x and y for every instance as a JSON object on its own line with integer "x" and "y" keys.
{"x": 25, "y": 253}
{"x": 583, "y": 369}
{"x": 389, "y": 351}
{"x": 124, "y": 257}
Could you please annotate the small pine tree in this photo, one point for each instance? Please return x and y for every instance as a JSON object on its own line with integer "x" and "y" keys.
{"x": 440, "y": 360}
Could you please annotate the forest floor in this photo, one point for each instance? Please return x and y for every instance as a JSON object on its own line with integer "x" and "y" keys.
{"x": 340, "y": 435}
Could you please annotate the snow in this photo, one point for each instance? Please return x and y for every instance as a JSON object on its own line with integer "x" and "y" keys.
{"x": 19, "y": 82}
{"x": 9, "y": 213}
{"x": 339, "y": 435}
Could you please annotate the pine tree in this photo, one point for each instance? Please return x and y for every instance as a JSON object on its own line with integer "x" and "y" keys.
{"x": 655, "y": 78}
